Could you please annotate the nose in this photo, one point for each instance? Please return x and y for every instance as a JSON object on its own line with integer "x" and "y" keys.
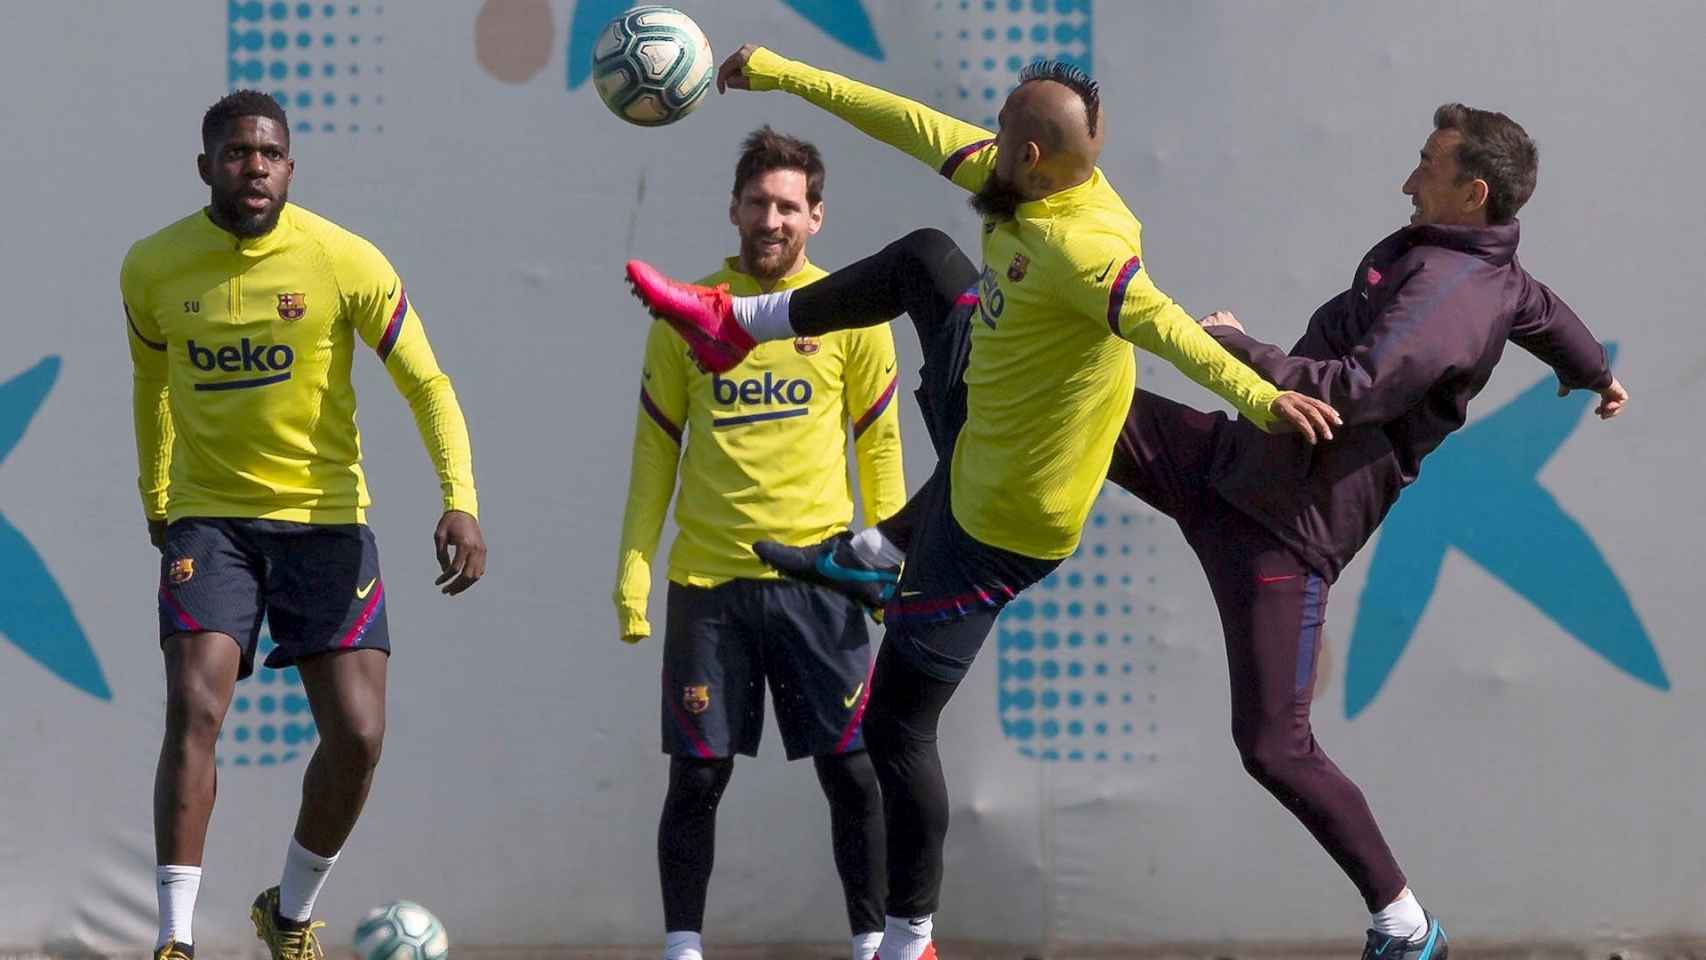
{"x": 1409, "y": 187}
{"x": 772, "y": 218}
{"x": 255, "y": 166}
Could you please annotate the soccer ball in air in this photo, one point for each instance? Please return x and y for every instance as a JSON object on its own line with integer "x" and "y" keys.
{"x": 652, "y": 65}
{"x": 401, "y": 931}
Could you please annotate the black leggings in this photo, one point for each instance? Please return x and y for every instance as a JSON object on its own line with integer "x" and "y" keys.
{"x": 687, "y": 836}
{"x": 921, "y": 275}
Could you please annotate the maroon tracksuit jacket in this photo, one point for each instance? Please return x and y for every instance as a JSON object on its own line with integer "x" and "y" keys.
{"x": 1399, "y": 355}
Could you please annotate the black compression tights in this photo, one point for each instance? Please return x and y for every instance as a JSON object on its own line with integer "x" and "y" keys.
{"x": 900, "y": 730}
{"x": 687, "y": 836}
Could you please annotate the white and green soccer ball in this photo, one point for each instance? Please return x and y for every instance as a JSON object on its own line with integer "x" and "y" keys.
{"x": 652, "y": 65}
{"x": 401, "y": 931}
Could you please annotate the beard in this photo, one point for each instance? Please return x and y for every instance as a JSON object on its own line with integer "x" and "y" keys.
{"x": 244, "y": 223}
{"x": 767, "y": 263}
{"x": 997, "y": 199}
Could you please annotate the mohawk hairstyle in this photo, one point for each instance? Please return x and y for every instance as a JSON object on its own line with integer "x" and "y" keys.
{"x": 241, "y": 103}
{"x": 1071, "y": 76}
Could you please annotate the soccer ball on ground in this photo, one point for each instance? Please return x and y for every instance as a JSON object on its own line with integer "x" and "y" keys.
{"x": 652, "y": 65}
{"x": 401, "y": 931}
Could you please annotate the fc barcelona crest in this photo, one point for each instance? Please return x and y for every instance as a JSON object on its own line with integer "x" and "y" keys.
{"x": 292, "y": 306}
{"x": 696, "y": 698}
{"x": 181, "y": 570}
{"x": 1016, "y": 269}
{"x": 805, "y": 346}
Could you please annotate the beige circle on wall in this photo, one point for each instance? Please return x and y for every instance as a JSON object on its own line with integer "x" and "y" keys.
{"x": 512, "y": 38}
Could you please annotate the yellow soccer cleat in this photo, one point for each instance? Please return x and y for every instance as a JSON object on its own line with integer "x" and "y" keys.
{"x": 285, "y": 940}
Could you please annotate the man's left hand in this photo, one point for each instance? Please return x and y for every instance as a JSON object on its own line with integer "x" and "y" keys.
{"x": 461, "y": 552}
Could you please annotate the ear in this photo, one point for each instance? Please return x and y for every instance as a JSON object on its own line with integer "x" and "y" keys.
{"x": 289, "y": 170}
{"x": 1476, "y": 197}
{"x": 1031, "y": 156}
{"x": 734, "y": 204}
{"x": 204, "y": 167}
{"x": 814, "y": 220}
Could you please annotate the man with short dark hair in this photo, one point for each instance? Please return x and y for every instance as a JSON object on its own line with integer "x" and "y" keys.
{"x": 765, "y": 458}
{"x": 1399, "y": 355}
{"x": 242, "y": 322}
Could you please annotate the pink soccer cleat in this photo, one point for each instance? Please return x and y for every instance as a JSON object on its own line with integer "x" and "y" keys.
{"x": 704, "y": 316}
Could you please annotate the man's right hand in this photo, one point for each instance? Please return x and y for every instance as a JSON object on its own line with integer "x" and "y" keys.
{"x": 1294, "y": 412}
{"x": 733, "y": 71}
{"x": 157, "y": 534}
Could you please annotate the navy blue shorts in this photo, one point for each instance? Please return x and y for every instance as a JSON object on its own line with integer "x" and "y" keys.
{"x": 722, "y": 643}
{"x": 316, "y": 585}
{"x": 953, "y": 585}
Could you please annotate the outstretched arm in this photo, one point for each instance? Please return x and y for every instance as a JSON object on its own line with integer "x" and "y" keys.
{"x": 957, "y": 150}
{"x": 1547, "y": 327}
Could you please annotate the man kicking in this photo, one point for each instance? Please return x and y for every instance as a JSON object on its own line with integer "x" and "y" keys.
{"x": 1023, "y": 403}
{"x": 1273, "y": 521}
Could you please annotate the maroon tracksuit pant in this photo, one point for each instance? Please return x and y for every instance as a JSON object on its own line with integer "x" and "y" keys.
{"x": 1272, "y": 608}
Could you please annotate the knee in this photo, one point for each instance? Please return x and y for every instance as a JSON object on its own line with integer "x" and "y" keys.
{"x": 194, "y": 714}
{"x": 849, "y": 780}
{"x": 698, "y": 784}
{"x": 356, "y": 743}
{"x": 1269, "y": 755}
{"x": 927, "y": 244}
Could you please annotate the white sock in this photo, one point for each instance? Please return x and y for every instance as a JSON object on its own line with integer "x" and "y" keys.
{"x": 1402, "y": 918}
{"x": 304, "y": 874}
{"x": 683, "y": 945}
{"x": 176, "y": 887}
{"x": 904, "y": 939}
{"x": 765, "y": 317}
{"x": 865, "y": 945}
{"x": 876, "y": 550}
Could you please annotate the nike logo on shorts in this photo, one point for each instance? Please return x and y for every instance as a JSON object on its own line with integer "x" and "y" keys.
{"x": 362, "y": 592}
{"x": 853, "y": 697}
{"x": 1262, "y": 579}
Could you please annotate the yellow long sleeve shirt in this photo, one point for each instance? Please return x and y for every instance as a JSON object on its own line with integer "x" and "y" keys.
{"x": 241, "y": 351}
{"x": 1050, "y": 378}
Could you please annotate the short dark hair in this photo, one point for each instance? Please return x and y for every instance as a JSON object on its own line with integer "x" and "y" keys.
{"x": 1073, "y": 78}
{"x": 765, "y": 150}
{"x": 1496, "y": 149}
{"x": 241, "y": 103}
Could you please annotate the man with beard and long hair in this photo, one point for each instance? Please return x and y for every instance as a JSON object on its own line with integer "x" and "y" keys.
{"x": 1028, "y": 371}
{"x": 764, "y": 457}
{"x": 242, "y": 319}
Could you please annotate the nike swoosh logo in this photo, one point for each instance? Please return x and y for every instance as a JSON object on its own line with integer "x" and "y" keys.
{"x": 912, "y": 593}
{"x": 1103, "y": 275}
{"x": 1289, "y": 576}
{"x": 393, "y": 292}
{"x": 827, "y": 566}
{"x": 646, "y": 374}
{"x": 854, "y": 696}
{"x": 889, "y": 367}
{"x": 362, "y": 592}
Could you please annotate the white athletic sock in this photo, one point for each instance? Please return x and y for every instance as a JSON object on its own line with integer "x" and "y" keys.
{"x": 765, "y": 316}
{"x": 1402, "y": 918}
{"x": 904, "y": 939}
{"x": 876, "y": 550}
{"x": 865, "y": 945}
{"x": 304, "y": 874}
{"x": 683, "y": 945}
{"x": 176, "y": 887}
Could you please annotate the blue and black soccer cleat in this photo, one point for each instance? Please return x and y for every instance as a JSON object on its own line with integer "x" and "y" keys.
{"x": 833, "y": 563}
{"x": 1431, "y": 945}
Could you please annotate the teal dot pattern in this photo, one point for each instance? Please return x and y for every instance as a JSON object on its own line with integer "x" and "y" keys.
{"x": 321, "y": 60}
{"x": 269, "y": 723}
{"x": 1078, "y": 653}
{"x": 983, "y": 44}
